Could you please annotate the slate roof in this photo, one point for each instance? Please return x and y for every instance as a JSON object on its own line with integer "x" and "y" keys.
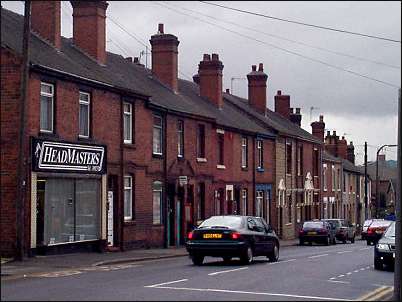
{"x": 349, "y": 166}
{"x": 120, "y": 73}
{"x": 272, "y": 120}
{"x": 329, "y": 157}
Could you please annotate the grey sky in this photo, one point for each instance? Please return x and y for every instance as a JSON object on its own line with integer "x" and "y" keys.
{"x": 364, "y": 110}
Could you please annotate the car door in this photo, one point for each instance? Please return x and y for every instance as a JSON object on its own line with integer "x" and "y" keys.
{"x": 256, "y": 235}
{"x": 269, "y": 240}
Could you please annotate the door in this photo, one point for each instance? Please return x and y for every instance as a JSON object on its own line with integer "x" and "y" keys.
{"x": 171, "y": 214}
{"x": 110, "y": 229}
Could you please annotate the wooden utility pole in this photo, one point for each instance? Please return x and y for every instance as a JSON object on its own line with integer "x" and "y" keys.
{"x": 21, "y": 166}
{"x": 365, "y": 182}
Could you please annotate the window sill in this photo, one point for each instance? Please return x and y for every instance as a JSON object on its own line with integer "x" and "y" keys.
{"x": 129, "y": 146}
{"x": 201, "y": 160}
{"x": 84, "y": 139}
{"x": 260, "y": 170}
{"x": 221, "y": 167}
{"x": 180, "y": 158}
{"x": 47, "y": 134}
{"x": 129, "y": 222}
{"x": 157, "y": 155}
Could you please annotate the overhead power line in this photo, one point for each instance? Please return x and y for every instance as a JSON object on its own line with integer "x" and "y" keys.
{"x": 290, "y": 40}
{"x": 302, "y": 23}
{"x": 282, "y": 49}
{"x": 127, "y": 32}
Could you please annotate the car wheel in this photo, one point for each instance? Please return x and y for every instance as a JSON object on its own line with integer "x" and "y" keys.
{"x": 227, "y": 259}
{"x": 247, "y": 256}
{"x": 197, "y": 259}
{"x": 334, "y": 241}
{"x": 274, "y": 255}
{"x": 326, "y": 242}
{"x": 352, "y": 240}
{"x": 368, "y": 242}
{"x": 378, "y": 265}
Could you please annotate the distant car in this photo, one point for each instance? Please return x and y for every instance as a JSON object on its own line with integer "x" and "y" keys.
{"x": 366, "y": 224}
{"x": 316, "y": 231}
{"x": 384, "y": 251}
{"x": 233, "y": 236}
{"x": 375, "y": 230}
{"x": 345, "y": 231}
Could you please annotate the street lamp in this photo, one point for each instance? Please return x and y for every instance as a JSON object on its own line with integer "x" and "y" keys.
{"x": 376, "y": 177}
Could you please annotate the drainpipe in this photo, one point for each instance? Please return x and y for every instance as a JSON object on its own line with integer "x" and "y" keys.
{"x": 165, "y": 181}
{"x": 121, "y": 189}
{"x": 254, "y": 168}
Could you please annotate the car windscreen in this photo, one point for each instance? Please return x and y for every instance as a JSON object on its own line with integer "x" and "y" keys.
{"x": 337, "y": 223}
{"x": 381, "y": 223}
{"x": 313, "y": 224}
{"x": 390, "y": 232}
{"x": 222, "y": 221}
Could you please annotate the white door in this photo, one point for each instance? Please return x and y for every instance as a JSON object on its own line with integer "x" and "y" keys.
{"x": 110, "y": 218}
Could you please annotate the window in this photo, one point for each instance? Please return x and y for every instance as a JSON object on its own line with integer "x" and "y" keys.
{"x": 338, "y": 179}
{"x": 157, "y": 135}
{"x": 244, "y": 152}
{"x": 244, "y": 202}
{"x": 290, "y": 209}
{"x": 221, "y": 148}
{"x": 46, "y": 107}
{"x": 128, "y": 198}
{"x": 289, "y": 158}
{"x": 84, "y": 114}
{"x": 333, "y": 175}
{"x": 259, "y": 203}
{"x": 201, "y": 141}
{"x": 180, "y": 139}
{"x": 260, "y": 154}
{"x": 344, "y": 182}
{"x": 128, "y": 123}
{"x": 324, "y": 176}
{"x": 300, "y": 160}
{"x": 156, "y": 202}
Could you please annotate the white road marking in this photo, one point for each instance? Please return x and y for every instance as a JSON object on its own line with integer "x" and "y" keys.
{"x": 349, "y": 273}
{"x": 279, "y": 262}
{"x": 362, "y": 269}
{"x": 344, "y": 252}
{"x": 365, "y": 248}
{"x": 336, "y": 281}
{"x": 356, "y": 271}
{"x": 227, "y": 271}
{"x": 333, "y": 278}
{"x": 165, "y": 283}
{"x": 340, "y": 276}
{"x": 251, "y": 293}
{"x": 316, "y": 256}
{"x": 367, "y": 267}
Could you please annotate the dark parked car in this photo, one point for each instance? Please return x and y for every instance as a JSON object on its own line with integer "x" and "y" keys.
{"x": 366, "y": 226}
{"x": 376, "y": 229}
{"x": 384, "y": 251}
{"x": 344, "y": 230}
{"x": 233, "y": 236}
{"x": 317, "y": 231}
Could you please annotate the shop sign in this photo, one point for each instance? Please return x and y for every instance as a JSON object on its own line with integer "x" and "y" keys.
{"x": 67, "y": 157}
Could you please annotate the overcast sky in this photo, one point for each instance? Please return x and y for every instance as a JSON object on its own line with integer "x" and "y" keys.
{"x": 361, "y": 109}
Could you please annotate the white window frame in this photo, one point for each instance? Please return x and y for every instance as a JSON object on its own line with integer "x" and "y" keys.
{"x": 180, "y": 138}
{"x": 244, "y": 144}
{"x": 42, "y": 93}
{"x": 85, "y": 103}
{"x": 128, "y": 114}
{"x": 160, "y": 129}
{"x": 260, "y": 150}
{"x": 244, "y": 199}
{"x": 324, "y": 173}
{"x": 259, "y": 206}
{"x": 158, "y": 191}
{"x": 333, "y": 176}
{"x": 130, "y": 202}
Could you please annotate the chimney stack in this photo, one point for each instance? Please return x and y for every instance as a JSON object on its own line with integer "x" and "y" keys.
{"x": 282, "y": 104}
{"x": 351, "y": 153}
{"x": 343, "y": 148}
{"x": 318, "y": 129}
{"x": 332, "y": 143}
{"x": 296, "y": 117}
{"x": 46, "y": 21}
{"x": 257, "y": 88}
{"x": 210, "y": 74}
{"x": 165, "y": 58}
{"x": 89, "y": 28}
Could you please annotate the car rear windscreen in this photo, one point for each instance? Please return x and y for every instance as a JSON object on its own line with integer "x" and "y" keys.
{"x": 224, "y": 221}
{"x": 313, "y": 224}
{"x": 381, "y": 223}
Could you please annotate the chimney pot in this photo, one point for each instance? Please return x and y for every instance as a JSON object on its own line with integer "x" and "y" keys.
{"x": 215, "y": 57}
{"x": 328, "y": 133}
{"x": 136, "y": 60}
{"x": 260, "y": 67}
{"x": 297, "y": 110}
{"x": 160, "y": 28}
{"x": 253, "y": 68}
{"x": 206, "y": 57}
{"x": 321, "y": 118}
{"x": 129, "y": 59}
{"x": 279, "y": 92}
{"x": 227, "y": 91}
{"x": 334, "y": 132}
{"x": 291, "y": 110}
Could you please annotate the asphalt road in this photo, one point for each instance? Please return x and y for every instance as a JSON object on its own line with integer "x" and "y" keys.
{"x": 337, "y": 272}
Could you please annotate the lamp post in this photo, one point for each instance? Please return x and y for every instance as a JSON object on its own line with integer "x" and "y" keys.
{"x": 376, "y": 177}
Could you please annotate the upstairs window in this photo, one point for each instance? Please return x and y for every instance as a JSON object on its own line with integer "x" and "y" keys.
{"x": 46, "y": 107}
{"x": 84, "y": 114}
{"x": 221, "y": 148}
{"x": 324, "y": 176}
{"x": 128, "y": 123}
{"x": 201, "y": 141}
{"x": 180, "y": 139}
{"x": 288, "y": 158}
{"x": 244, "y": 152}
{"x": 334, "y": 184}
{"x": 157, "y": 135}
{"x": 260, "y": 154}
{"x": 300, "y": 160}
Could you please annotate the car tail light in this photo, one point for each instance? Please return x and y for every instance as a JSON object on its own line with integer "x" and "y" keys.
{"x": 190, "y": 235}
{"x": 370, "y": 230}
{"x": 322, "y": 231}
{"x": 235, "y": 236}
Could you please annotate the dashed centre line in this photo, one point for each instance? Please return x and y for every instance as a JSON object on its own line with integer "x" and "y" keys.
{"x": 343, "y": 252}
{"x": 227, "y": 271}
{"x": 166, "y": 283}
{"x": 317, "y": 256}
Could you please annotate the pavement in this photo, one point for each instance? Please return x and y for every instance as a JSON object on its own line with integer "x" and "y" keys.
{"x": 38, "y": 265}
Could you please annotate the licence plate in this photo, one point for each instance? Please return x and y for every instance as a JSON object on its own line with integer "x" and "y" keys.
{"x": 393, "y": 255}
{"x": 311, "y": 233}
{"x": 212, "y": 236}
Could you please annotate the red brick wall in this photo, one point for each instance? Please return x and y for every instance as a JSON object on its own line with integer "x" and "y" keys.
{"x": 46, "y": 17}
{"x": 11, "y": 70}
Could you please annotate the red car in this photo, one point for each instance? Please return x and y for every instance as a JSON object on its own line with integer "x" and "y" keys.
{"x": 376, "y": 229}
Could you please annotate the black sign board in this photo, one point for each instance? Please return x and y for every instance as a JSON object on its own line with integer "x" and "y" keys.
{"x": 55, "y": 156}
